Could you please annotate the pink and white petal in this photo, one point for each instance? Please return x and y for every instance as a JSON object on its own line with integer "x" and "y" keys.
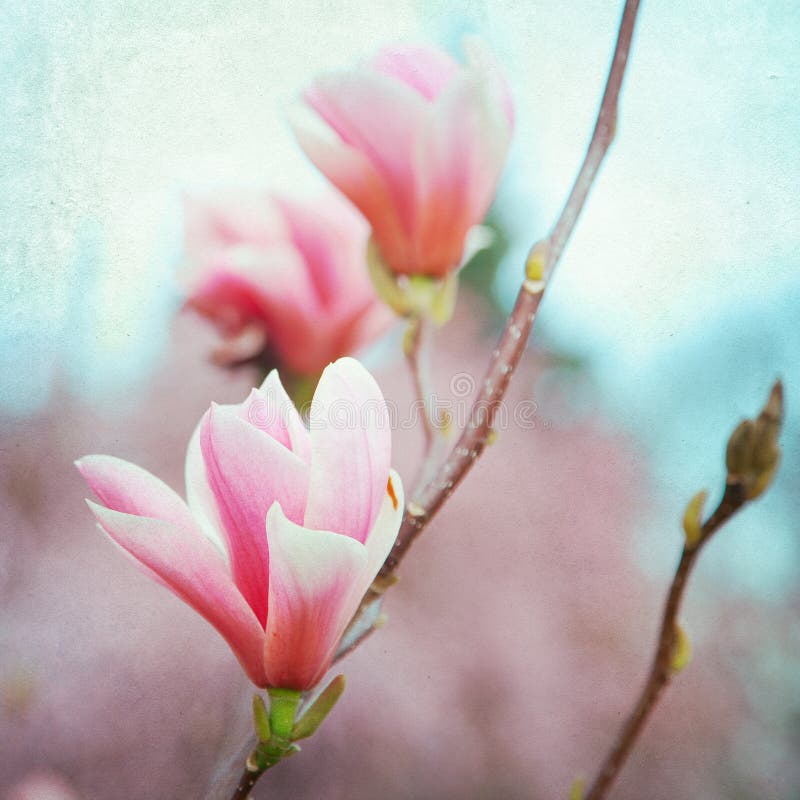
{"x": 459, "y": 160}
{"x": 124, "y": 487}
{"x": 351, "y": 443}
{"x": 261, "y": 412}
{"x": 189, "y": 566}
{"x": 482, "y": 60}
{"x": 425, "y": 69}
{"x": 311, "y": 234}
{"x": 380, "y": 117}
{"x": 359, "y": 180}
{"x": 248, "y": 471}
{"x": 314, "y": 590}
{"x": 228, "y": 299}
{"x": 332, "y": 237}
{"x": 367, "y": 325}
{"x": 215, "y": 222}
{"x": 384, "y": 531}
{"x": 296, "y": 432}
{"x": 200, "y": 495}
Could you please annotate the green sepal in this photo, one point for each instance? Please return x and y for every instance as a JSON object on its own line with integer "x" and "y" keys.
{"x": 319, "y": 709}
{"x": 261, "y": 719}
{"x": 424, "y": 296}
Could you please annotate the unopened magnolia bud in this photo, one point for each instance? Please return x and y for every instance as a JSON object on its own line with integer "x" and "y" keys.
{"x": 692, "y": 520}
{"x": 577, "y": 790}
{"x": 753, "y": 452}
{"x": 681, "y": 650}
{"x": 536, "y": 261}
{"x": 738, "y": 457}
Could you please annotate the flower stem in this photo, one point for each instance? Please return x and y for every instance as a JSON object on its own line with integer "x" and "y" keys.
{"x": 414, "y": 350}
{"x": 283, "y": 705}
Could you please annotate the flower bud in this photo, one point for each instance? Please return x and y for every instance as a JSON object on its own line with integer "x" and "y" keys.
{"x": 753, "y": 452}
{"x": 692, "y": 520}
{"x": 681, "y": 650}
{"x": 578, "y": 789}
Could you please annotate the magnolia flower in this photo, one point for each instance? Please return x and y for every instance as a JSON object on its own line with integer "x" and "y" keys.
{"x": 283, "y": 531}
{"x": 419, "y": 144}
{"x": 276, "y": 274}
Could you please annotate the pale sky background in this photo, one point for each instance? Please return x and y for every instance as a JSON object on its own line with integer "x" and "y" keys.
{"x": 681, "y": 282}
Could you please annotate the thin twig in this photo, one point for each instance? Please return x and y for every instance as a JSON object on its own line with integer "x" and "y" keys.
{"x": 514, "y": 337}
{"x": 414, "y": 349}
{"x": 246, "y": 783}
{"x": 661, "y": 670}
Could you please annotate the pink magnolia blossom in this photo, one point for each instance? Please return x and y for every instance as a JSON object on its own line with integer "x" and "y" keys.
{"x": 419, "y": 144}
{"x": 277, "y": 274}
{"x": 284, "y": 530}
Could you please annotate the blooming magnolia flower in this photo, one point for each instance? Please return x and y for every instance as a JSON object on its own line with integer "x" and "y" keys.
{"x": 284, "y": 530}
{"x": 274, "y": 273}
{"x": 419, "y": 144}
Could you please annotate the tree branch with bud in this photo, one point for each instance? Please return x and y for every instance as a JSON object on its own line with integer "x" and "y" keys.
{"x": 752, "y": 458}
{"x": 541, "y": 263}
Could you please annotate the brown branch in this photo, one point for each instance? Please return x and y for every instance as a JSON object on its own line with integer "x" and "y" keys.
{"x": 514, "y": 337}
{"x": 246, "y": 783}
{"x": 603, "y": 135}
{"x": 661, "y": 671}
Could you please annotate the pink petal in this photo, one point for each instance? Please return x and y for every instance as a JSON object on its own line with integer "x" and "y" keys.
{"x": 359, "y": 180}
{"x": 213, "y": 223}
{"x": 380, "y": 117}
{"x": 425, "y": 69}
{"x": 332, "y": 237}
{"x": 384, "y": 531}
{"x": 248, "y": 471}
{"x": 249, "y": 284}
{"x": 189, "y": 566}
{"x": 351, "y": 444}
{"x": 289, "y": 425}
{"x": 199, "y": 494}
{"x": 124, "y": 487}
{"x": 459, "y": 160}
{"x": 315, "y": 588}
{"x": 231, "y": 301}
{"x": 312, "y": 236}
{"x": 481, "y": 60}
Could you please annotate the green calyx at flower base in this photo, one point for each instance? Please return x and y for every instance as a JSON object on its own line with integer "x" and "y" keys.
{"x": 278, "y": 727}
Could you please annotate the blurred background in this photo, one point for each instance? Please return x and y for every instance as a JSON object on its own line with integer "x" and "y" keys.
{"x": 525, "y": 618}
